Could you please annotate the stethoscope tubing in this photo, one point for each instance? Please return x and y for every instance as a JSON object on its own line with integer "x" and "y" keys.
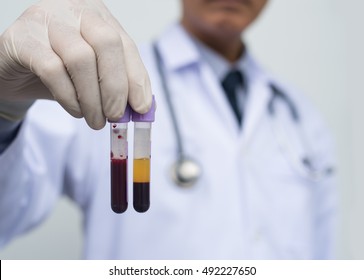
{"x": 167, "y": 96}
{"x": 303, "y": 166}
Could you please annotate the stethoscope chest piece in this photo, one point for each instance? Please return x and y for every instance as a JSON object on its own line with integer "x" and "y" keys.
{"x": 186, "y": 172}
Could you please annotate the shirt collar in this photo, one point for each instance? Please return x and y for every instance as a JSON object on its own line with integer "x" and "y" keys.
{"x": 219, "y": 64}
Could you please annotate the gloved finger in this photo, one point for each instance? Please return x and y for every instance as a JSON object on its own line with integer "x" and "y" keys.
{"x": 54, "y": 76}
{"x": 37, "y": 56}
{"x": 140, "y": 93}
{"x": 111, "y": 67}
{"x": 80, "y": 61}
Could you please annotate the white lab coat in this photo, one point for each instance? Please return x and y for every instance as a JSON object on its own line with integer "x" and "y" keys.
{"x": 249, "y": 203}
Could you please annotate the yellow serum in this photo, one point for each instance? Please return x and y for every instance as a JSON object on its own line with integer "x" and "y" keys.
{"x": 142, "y": 170}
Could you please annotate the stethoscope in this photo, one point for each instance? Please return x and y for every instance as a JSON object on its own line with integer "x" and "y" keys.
{"x": 186, "y": 170}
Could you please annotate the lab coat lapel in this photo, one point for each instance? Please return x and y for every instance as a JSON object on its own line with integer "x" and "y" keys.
{"x": 259, "y": 96}
{"x": 217, "y": 98}
{"x": 176, "y": 37}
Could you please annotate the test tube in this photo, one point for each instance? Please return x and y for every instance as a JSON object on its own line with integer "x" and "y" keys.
{"x": 142, "y": 157}
{"x": 119, "y": 162}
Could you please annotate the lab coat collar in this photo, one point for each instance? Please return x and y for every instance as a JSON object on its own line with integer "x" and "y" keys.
{"x": 258, "y": 81}
{"x": 177, "y": 37}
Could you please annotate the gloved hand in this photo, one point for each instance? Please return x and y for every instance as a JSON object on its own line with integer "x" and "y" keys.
{"x": 76, "y": 53}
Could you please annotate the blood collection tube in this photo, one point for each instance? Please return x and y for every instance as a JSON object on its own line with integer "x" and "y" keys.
{"x": 119, "y": 162}
{"x": 142, "y": 156}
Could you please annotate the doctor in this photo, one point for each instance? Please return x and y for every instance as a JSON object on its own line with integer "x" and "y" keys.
{"x": 261, "y": 156}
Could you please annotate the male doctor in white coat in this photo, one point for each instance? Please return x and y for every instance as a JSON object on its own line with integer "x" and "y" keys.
{"x": 266, "y": 188}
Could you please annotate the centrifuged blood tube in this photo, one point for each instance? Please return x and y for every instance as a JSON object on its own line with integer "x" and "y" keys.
{"x": 119, "y": 162}
{"x": 142, "y": 156}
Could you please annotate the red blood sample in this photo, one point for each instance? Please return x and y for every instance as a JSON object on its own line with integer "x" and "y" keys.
{"x": 141, "y": 197}
{"x": 119, "y": 201}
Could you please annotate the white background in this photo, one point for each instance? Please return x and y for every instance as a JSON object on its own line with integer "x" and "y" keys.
{"x": 316, "y": 45}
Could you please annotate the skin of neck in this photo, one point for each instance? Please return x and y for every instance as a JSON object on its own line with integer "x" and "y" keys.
{"x": 228, "y": 45}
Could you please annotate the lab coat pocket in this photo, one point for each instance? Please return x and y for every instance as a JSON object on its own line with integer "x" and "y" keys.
{"x": 282, "y": 200}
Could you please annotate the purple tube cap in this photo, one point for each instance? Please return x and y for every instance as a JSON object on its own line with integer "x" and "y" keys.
{"x": 147, "y": 117}
{"x": 125, "y": 118}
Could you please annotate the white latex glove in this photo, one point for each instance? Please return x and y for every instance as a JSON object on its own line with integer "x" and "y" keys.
{"x": 73, "y": 51}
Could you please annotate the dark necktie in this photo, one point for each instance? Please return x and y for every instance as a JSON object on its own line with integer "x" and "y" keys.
{"x": 231, "y": 82}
